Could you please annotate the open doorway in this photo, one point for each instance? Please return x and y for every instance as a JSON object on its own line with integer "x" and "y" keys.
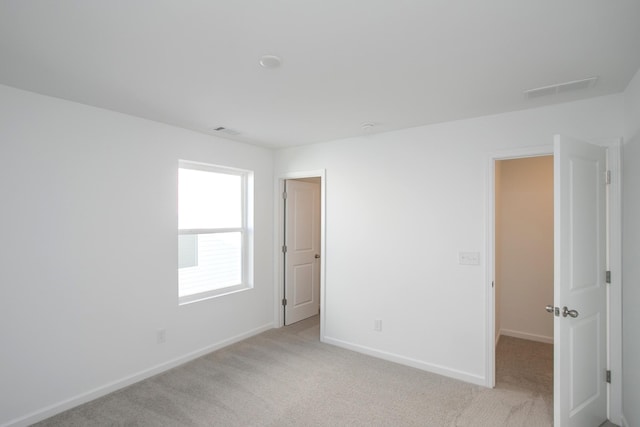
{"x": 586, "y": 226}
{"x": 524, "y": 275}
{"x": 301, "y": 263}
{"x": 302, "y": 260}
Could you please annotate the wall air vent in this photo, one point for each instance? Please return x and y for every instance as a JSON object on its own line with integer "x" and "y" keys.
{"x": 560, "y": 88}
{"x": 226, "y": 131}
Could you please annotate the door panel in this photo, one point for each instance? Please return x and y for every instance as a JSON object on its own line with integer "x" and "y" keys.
{"x": 584, "y": 337}
{"x": 302, "y": 239}
{"x": 303, "y": 284}
{"x": 302, "y": 202}
{"x": 580, "y": 262}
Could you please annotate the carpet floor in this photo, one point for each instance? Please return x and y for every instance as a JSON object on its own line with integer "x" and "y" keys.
{"x": 286, "y": 377}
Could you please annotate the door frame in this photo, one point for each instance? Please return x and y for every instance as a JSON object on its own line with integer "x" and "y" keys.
{"x": 614, "y": 264}
{"x": 490, "y": 344}
{"x": 279, "y": 242}
{"x": 614, "y": 290}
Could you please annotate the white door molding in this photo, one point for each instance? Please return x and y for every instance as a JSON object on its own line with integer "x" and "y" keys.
{"x": 279, "y": 241}
{"x": 614, "y": 264}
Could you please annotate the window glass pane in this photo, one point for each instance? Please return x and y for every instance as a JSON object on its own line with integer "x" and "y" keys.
{"x": 209, "y": 199}
{"x": 219, "y": 264}
{"x": 187, "y": 250}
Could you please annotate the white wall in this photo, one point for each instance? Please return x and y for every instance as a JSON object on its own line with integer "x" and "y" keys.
{"x": 630, "y": 251}
{"x": 88, "y": 260}
{"x": 524, "y": 247}
{"x": 400, "y": 205}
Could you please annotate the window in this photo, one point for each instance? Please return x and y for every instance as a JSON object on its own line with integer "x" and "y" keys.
{"x": 214, "y": 224}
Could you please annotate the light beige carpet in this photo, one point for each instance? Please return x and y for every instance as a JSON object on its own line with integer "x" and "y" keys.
{"x": 286, "y": 377}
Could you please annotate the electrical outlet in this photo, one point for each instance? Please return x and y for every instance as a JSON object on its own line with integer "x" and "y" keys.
{"x": 161, "y": 336}
{"x": 377, "y": 325}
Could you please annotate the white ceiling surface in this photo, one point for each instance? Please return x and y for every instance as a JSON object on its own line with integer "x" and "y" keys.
{"x": 397, "y": 64}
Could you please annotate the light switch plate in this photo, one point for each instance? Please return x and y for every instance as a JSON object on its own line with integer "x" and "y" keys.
{"x": 469, "y": 258}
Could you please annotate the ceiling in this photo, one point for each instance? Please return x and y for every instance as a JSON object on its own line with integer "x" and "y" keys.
{"x": 395, "y": 64}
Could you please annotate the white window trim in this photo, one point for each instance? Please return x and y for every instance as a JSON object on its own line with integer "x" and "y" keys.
{"x": 246, "y": 231}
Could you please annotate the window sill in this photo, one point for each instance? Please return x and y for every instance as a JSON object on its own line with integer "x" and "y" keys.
{"x": 203, "y": 296}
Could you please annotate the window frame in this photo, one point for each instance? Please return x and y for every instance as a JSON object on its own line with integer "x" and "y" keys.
{"x": 245, "y": 230}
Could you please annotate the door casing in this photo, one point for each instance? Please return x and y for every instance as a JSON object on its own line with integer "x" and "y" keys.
{"x": 279, "y": 241}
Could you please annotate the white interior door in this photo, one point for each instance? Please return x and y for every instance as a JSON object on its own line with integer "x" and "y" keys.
{"x": 580, "y": 397}
{"x": 302, "y": 256}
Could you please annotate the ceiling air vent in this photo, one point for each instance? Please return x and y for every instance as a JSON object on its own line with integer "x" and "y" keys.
{"x": 224, "y": 130}
{"x": 560, "y": 88}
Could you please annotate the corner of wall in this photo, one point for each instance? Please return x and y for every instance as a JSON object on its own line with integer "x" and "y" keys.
{"x": 632, "y": 108}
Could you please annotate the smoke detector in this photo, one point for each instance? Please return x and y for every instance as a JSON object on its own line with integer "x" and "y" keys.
{"x": 270, "y": 61}
{"x": 560, "y": 88}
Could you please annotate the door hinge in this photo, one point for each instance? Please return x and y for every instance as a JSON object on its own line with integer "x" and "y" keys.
{"x": 607, "y": 277}
{"x": 284, "y": 302}
{"x": 284, "y": 195}
{"x": 284, "y": 249}
{"x": 607, "y": 177}
{"x": 609, "y": 376}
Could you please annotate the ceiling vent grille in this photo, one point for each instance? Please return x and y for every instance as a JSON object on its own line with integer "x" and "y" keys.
{"x": 560, "y": 88}
{"x": 226, "y": 131}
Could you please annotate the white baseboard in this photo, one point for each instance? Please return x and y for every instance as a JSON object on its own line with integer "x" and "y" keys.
{"x": 429, "y": 367}
{"x": 526, "y": 336}
{"x": 90, "y": 395}
{"x": 498, "y": 335}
